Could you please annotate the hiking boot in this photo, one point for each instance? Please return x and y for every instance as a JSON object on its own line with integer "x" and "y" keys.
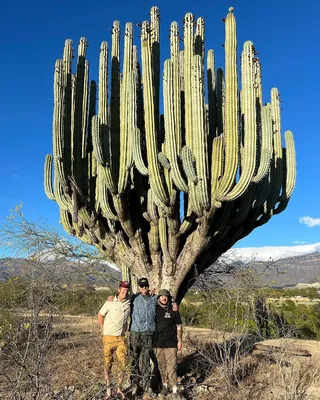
{"x": 164, "y": 392}
{"x": 149, "y": 394}
{"x": 177, "y": 396}
{"x": 134, "y": 390}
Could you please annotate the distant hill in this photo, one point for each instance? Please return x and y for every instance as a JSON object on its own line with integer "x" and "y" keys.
{"x": 94, "y": 273}
{"x": 285, "y": 272}
{"x": 289, "y": 271}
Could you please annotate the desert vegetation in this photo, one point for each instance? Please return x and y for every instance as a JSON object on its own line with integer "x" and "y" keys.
{"x": 50, "y": 342}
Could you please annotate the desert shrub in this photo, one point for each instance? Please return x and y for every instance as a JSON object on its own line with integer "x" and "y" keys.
{"x": 194, "y": 314}
{"x": 13, "y": 292}
{"x": 80, "y": 301}
{"x": 302, "y": 320}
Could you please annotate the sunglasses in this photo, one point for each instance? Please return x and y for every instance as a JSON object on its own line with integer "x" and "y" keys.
{"x": 144, "y": 285}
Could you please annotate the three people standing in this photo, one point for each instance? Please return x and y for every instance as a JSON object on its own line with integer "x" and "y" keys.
{"x": 155, "y": 322}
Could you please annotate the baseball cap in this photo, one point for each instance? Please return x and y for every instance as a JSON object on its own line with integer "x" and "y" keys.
{"x": 143, "y": 282}
{"x": 124, "y": 284}
{"x": 164, "y": 292}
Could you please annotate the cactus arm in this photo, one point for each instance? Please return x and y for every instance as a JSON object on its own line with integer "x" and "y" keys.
{"x": 62, "y": 198}
{"x": 85, "y": 114}
{"x": 193, "y": 204}
{"x": 248, "y": 157}
{"x": 86, "y": 217}
{"x": 102, "y": 200}
{"x": 164, "y": 243}
{"x": 58, "y": 126}
{"x": 103, "y": 105}
{"x": 137, "y": 154}
{"x": 155, "y": 60}
{"x": 277, "y": 162}
{"x": 199, "y": 39}
{"x": 171, "y": 127}
{"x": 220, "y": 94}
{"x": 216, "y": 167}
{"x": 85, "y": 110}
{"x": 231, "y": 107}
{"x": 212, "y": 98}
{"x": 151, "y": 207}
{"x": 175, "y": 59}
{"x": 65, "y": 221}
{"x": 187, "y": 60}
{"x": 97, "y": 142}
{"x": 200, "y": 135}
{"x": 67, "y": 71}
{"x": 275, "y": 112}
{"x": 141, "y": 266}
{"x": 48, "y": 177}
{"x": 115, "y": 101}
{"x": 123, "y": 213}
{"x": 188, "y": 164}
{"x": 266, "y": 144}
{"x": 291, "y": 174}
{"x": 245, "y": 206}
{"x": 163, "y": 160}
{"x": 154, "y": 244}
{"x": 79, "y": 112}
{"x": 156, "y": 182}
{"x": 127, "y": 109}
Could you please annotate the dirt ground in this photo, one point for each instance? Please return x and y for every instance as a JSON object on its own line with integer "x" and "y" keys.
{"x": 206, "y": 370}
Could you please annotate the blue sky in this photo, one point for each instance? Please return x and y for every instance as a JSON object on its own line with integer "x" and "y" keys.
{"x": 33, "y": 34}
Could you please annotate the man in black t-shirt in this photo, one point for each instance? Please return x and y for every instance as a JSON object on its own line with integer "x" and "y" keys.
{"x": 168, "y": 339}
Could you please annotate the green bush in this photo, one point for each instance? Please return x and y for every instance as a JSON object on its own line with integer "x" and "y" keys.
{"x": 80, "y": 301}
{"x": 13, "y": 293}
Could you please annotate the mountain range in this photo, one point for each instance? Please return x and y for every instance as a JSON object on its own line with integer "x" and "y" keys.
{"x": 288, "y": 271}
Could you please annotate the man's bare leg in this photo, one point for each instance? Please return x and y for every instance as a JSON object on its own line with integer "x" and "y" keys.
{"x": 119, "y": 386}
{"x": 107, "y": 377}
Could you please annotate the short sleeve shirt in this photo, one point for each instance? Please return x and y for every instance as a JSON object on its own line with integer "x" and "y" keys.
{"x": 143, "y": 312}
{"x": 116, "y": 315}
{"x": 166, "y": 327}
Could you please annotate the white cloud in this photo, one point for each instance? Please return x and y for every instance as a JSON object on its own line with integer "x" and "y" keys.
{"x": 309, "y": 221}
{"x": 273, "y": 253}
{"x": 298, "y": 242}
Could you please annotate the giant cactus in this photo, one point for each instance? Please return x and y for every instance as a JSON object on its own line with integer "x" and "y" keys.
{"x": 165, "y": 195}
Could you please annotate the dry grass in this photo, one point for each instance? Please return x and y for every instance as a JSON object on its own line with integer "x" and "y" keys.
{"x": 75, "y": 359}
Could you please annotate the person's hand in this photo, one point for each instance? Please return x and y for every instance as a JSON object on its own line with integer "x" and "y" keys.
{"x": 110, "y": 298}
{"x": 152, "y": 292}
{"x": 179, "y": 346}
{"x": 175, "y": 307}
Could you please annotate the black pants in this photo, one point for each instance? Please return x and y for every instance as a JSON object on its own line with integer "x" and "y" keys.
{"x": 142, "y": 352}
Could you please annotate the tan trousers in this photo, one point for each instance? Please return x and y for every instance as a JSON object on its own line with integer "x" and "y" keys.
{"x": 167, "y": 360}
{"x": 117, "y": 345}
